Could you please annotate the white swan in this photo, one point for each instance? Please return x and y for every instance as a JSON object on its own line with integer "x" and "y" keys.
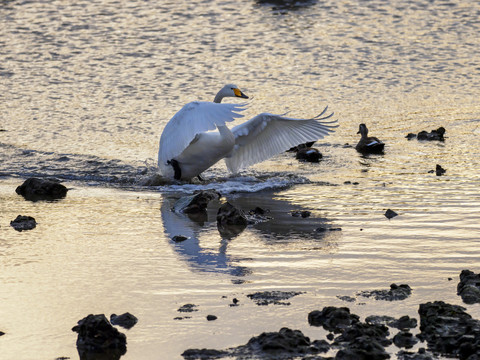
{"x": 187, "y": 148}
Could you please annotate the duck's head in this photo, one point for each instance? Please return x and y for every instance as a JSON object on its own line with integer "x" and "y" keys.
{"x": 229, "y": 90}
{"x": 362, "y": 129}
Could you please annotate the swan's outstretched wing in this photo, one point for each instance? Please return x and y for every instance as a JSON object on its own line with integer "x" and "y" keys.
{"x": 194, "y": 118}
{"x": 266, "y": 135}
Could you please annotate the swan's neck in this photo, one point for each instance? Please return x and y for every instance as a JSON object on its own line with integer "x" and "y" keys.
{"x": 218, "y": 98}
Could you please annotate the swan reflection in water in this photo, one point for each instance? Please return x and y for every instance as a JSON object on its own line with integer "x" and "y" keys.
{"x": 278, "y": 227}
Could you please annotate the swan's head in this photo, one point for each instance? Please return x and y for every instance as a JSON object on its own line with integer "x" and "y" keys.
{"x": 362, "y": 129}
{"x": 229, "y": 90}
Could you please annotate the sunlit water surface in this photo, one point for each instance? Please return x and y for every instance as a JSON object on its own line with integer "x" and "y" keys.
{"x": 85, "y": 90}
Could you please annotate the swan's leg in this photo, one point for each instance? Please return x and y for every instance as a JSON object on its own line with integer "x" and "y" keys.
{"x": 176, "y": 168}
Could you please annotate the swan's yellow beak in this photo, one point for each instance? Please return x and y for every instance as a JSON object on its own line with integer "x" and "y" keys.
{"x": 239, "y": 94}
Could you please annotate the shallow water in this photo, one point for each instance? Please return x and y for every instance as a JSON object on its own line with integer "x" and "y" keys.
{"x": 85, "y": 90}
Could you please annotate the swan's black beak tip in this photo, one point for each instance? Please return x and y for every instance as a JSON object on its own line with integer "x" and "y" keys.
{"x": 243, "y": 96}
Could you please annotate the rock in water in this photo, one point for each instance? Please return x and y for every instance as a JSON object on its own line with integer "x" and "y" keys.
{"x": 125, "y": 320}
{"x": 390, "y": 214}
{"x": 332, "y": 318}
{"x": 230, "y": 215}
{"x": 195, "y": 203}
{"x": 439, "y": 171}
{"x": 396, "y": 292}
{"x": 469, "y": 287}
{"x": 449, "y": 330}
{"x": 22, "y": 223}
{"x": 35, "y": 189}
{"x": 97, "y": 335}
{"x": 231, "y": 221}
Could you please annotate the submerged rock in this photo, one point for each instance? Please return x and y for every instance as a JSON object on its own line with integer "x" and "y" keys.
{"x": 396, "y": 292}
{"x": 203, "y": 354}
{"x": 405, "y": 322}
{"x": 363, "y": 341}
{"x": 195, "y": 203}
{"x": 405, "y": 339}
{"x": 179, "y": 238}
{"x": 231, "y": 221}
{"x": 309, "y": 154}
{"x": 298, "y": 213}
{"x": 449, "y": 330}
{"x": 284, "y": 344}
{"x": 35, "y": 189}
{"x": 421, "y": 354}
{"x": 273, "y": 297}
{"x": 125, "y": 320}
{"x": 469, "y": 287}
{"x": 188, "y": 308}
{"x": 97, "y": 335}
{"x": 230, "y": 215}
{"x": 332, "y": 318}
{"x": 22, "y": 223}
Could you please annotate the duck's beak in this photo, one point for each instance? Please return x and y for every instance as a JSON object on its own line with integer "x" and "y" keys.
{"x": 358, "y": 132}
{"x": 240, "y": 94}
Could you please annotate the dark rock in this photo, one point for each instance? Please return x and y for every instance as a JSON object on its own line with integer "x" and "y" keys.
{"x": 235, "y": 302}
{"x": 273, "y": 297}
{"x": 125, "y": 320}
{"x": 22, "y": 223}
{"x": 203, "y": 354}
{"x": 420, "y": 355}
{"x": 211, "y": 317}
{"x": 231, "y": 221}
{"x": 286, "y": 340}
{"x": 405, "y": 322}
{"x": 195, "y": 203}
{"x": 324, "y": 229}
{"x": 449, "y": 330}
{"x": 346, "y": 298}
{"x": 97, "y": 335}
{"x": 469, "y": 287}
{"x": 411, "y": 136}
{"x": 304, "y": 214}
{"x": 379, "y": 320}
{"x": 332, "y": 318}
{"x": 179, "y": 238}
{"x": 437, "y": 134}
{"x": 390, "y": 214}
{"x": 363, "y": 341}
{"x": 188, "y": 308}
{"x": 35, "y": 189}
{"x": 230, "y": 215}
{"x": 257, "y": 211}
{"x": 182, "y": 317}
{"x": 404, "y": 339}
{"x": 309, "y": 155}
{"x": 439, "y": 170}
{"x": 284, "y": 344}
{"x": 396, "y": 292}
{"x": 359, "y": 330}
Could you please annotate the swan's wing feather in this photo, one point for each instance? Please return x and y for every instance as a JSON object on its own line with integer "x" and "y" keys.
{"x": 266, "y": 135}
{"x": 192, "y": 119}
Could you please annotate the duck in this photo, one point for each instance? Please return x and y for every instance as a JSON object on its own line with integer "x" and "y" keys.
{"x": 368, "y": 144}
{"x": 197, "y": 136}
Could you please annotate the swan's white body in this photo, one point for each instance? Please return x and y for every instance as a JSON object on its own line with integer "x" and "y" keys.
{"x": 187, "y": 148}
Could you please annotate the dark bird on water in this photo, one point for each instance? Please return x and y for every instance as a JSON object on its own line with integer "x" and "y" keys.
{"x": 368, "y": 144}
